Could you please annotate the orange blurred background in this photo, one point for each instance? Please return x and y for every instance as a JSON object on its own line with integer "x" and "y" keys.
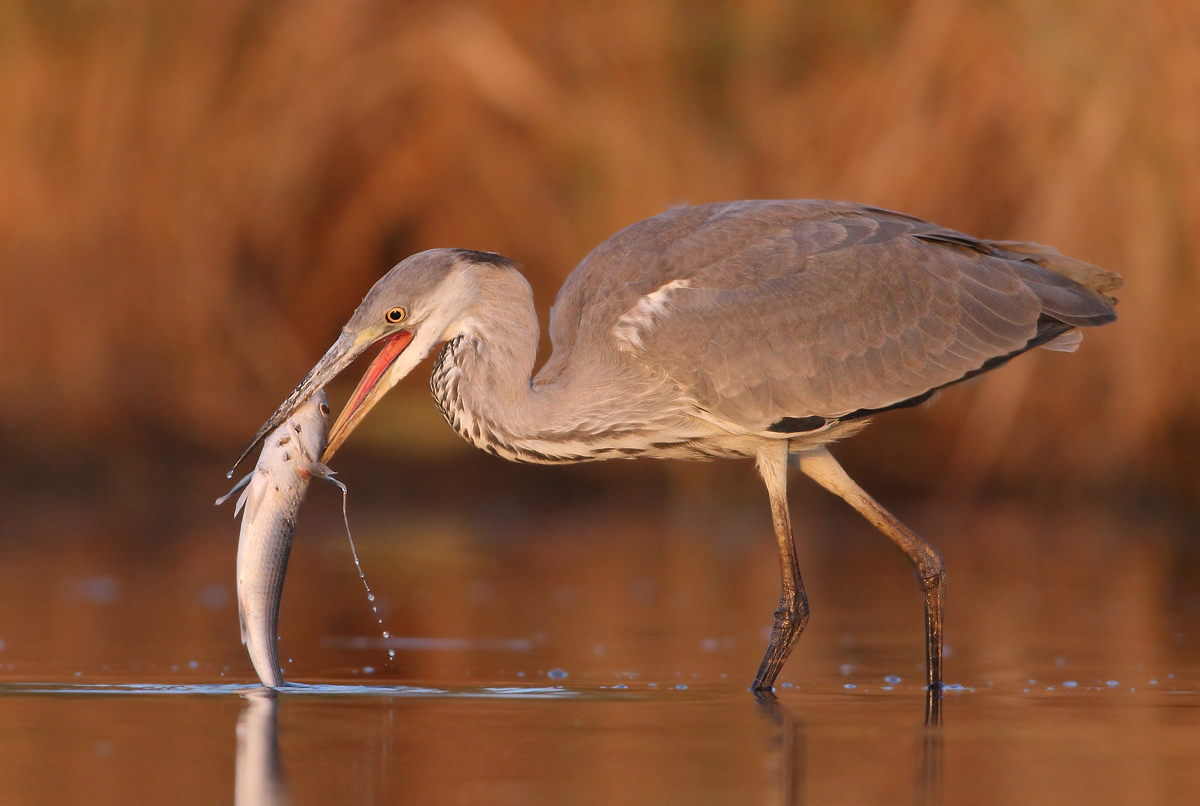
{"x": 193, "y": 197}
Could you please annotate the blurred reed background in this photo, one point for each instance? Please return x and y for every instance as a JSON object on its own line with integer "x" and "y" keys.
{"x": 194, "y": 196}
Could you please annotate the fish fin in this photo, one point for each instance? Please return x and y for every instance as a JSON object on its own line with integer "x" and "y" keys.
{"x": 322, "y": 471}
{"x": 251, "y": 498}
{"x": 236, "y": 487}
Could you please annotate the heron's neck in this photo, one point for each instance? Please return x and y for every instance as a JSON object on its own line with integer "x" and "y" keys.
{"x": 482, "y": 384}
{"x": 481, "y": 380}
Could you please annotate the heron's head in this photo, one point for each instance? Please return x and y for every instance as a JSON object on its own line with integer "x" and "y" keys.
{"x": 421, "y": 302}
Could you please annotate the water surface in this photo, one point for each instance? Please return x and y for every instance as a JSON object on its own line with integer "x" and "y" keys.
{"x": 599, "y": 655}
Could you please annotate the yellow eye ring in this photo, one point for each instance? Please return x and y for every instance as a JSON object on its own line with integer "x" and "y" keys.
{"x": 395, "y": 316}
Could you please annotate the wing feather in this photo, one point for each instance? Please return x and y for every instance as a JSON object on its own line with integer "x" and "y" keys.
{"x": 807, "y": 309}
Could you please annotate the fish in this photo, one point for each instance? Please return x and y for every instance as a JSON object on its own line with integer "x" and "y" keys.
{"x": 271, "y": 498}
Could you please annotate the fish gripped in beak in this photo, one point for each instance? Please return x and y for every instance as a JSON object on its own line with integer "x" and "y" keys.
{"x": 345, "y": 350}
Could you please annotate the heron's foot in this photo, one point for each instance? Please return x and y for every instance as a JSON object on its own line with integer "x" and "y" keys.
{"x": 934, "y": 587}
{"x": 790, "y": 620}
{"x": 933, "y": 706}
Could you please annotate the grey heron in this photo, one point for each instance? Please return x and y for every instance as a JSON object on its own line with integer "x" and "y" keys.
{"x": 755, "y": 329}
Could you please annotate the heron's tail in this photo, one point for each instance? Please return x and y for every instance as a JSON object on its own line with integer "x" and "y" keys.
{"x": 1102, "y": 281}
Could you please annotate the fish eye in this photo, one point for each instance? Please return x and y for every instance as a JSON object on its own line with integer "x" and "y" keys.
{"x": 325, "y": 409}
{"x": 395, "y": 316}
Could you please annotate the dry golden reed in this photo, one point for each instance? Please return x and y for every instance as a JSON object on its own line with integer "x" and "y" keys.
{"x": 194, "y": 196}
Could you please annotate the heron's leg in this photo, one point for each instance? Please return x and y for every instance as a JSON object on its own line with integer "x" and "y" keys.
{"x": 792, "y": 614}
{"x": 821, "y": 467}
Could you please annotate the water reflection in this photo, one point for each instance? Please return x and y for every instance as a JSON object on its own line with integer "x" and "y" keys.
{"x": 786, "y": 743}
{"x": 929, "y": 772}
{"x": 787, "y": 740}
{"x": 258, "y": 777}
{"x": 602, "y": 657}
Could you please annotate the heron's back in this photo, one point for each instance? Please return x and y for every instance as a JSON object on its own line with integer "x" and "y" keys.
{"x": 770, "y": 313}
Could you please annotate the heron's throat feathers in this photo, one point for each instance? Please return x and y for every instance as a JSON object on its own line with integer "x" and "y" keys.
{"x": 482, "y": 384}
{"x": 481, "y": 379}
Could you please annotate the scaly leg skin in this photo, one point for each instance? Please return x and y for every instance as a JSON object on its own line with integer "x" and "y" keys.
{"x": 792, "y": 614}
{"x": 821, "y": 467}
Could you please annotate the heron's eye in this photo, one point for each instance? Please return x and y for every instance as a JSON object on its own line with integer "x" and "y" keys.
{"x": 325, "y": 409}
{"x": 395, "y": 316}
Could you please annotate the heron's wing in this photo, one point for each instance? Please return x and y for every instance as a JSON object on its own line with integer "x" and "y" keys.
{"x": 783, "y": 324}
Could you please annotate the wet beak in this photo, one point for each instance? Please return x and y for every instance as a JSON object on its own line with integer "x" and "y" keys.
{"x": 374, "y": 385}
{"x": 348, "y": 347}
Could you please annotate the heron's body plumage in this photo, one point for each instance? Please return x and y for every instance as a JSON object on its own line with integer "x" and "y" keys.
{"x": 770, "y": 310}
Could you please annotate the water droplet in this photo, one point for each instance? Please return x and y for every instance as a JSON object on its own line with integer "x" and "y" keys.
{"x": 1112, "y": 684}
{"x": 1069, "y": 684}
{"x": 849, "y": 685}
{"x": 557, "y": 674}
{"x": 681, "y": 687}
{"x": 891, "y": 678}
{"x": 357, "y": 564}
{"x": 620, "y": 685}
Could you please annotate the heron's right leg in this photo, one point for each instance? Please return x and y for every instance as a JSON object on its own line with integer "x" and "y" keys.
{"x": 821, "y": 467}
{"x": 792, "y": 614}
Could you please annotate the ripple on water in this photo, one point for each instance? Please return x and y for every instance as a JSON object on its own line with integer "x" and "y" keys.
{"x": 287, "y": 690}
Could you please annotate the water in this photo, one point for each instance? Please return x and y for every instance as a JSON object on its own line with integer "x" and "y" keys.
{"x": 599, "y": 655}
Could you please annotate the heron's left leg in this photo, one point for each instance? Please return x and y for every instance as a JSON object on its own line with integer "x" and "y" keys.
{"x": 792, "y": 614}
{"x": 821, "y": 467}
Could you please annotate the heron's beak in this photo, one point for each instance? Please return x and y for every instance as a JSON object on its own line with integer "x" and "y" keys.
{"x": 374, "y": 385}
{"x": 348, "y": 347}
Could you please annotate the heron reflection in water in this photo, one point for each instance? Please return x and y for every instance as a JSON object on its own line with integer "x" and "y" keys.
{"x": 758, "y": 329}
